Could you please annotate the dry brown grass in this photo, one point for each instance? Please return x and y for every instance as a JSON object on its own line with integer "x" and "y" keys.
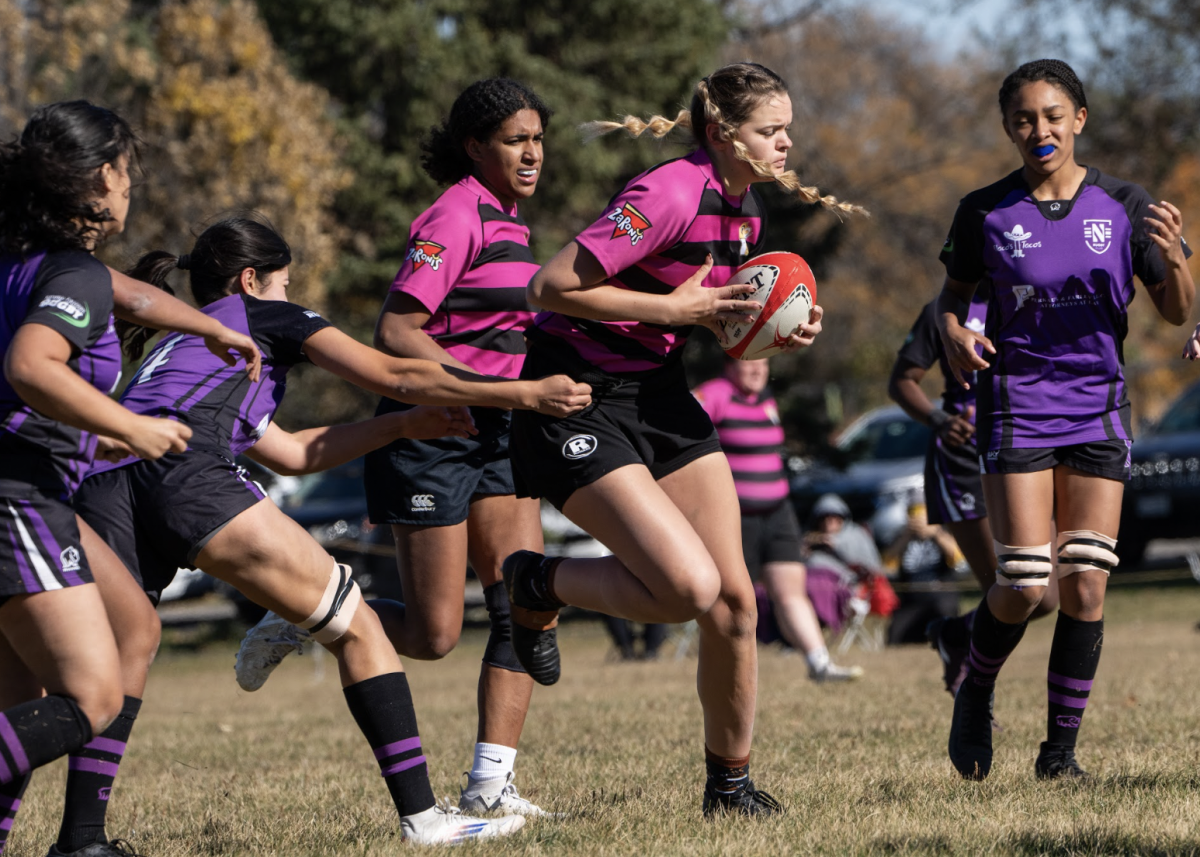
{"x": 861, "y": 768}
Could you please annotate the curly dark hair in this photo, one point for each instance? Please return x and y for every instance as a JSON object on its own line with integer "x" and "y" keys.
{"x": 221, "y": 253}
{"x": 477, "y": 113}
{"x": 49, "y": 177}
{"x": 1055, "y": 72}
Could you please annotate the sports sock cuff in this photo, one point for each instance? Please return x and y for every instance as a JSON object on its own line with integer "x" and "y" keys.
{"x": 726, "y": 761}
{"x": 492, "y": 761}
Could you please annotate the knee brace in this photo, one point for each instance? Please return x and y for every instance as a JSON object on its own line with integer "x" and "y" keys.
{"x": 338, "y": 605}
{"x": 1023, "y": 566}
{"x": 1085, "y": 550}
{"x": 499, "y": 651}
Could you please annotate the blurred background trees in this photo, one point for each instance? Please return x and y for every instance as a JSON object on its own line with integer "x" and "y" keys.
{"x": 312, "y": 112}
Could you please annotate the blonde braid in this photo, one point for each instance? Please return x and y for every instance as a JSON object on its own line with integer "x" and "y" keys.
{"x": 658, "y": 126}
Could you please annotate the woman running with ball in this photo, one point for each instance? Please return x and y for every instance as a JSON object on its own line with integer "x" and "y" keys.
{"x": 1059, "y": 245}
{"x": 641, "y": 469}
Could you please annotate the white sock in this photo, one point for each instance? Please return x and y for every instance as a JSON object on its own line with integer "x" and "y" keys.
{"x": 818, "y": 660}
{"x": 492, "y": 761}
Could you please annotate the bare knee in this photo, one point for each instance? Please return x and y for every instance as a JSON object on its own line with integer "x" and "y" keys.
{"x": 100, "y": 703}
{"x": 138, "y": 643}
{"x": 434, "y": 646}
{"x": 735, "y": 613}
{"x": 690, "y": 596}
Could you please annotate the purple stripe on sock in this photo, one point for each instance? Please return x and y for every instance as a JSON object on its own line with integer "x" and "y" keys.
{"x": 1068, "y": 701}
{"x": 106, "y": 745}
{"x": 1069, "y": 683}
{"x": 9, "y": 804}
{"x": 997, "y": 662}
{"x": 392, "y": 749}
{"x": 93, "y": 766}
{"x": 6, "y": 775}
{"x": 6, "y": 824}
{"x": 14, "y": 746}
{"x": 402, "y": 766}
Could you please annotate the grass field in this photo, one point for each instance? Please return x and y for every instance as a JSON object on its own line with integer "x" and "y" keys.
{"x": 861, "y": 768}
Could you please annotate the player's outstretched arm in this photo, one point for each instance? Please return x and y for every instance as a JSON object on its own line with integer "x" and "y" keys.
{"x": 316, "y": 449}
{"x": 143, "y": 304}
{"x": 423, "y": 382}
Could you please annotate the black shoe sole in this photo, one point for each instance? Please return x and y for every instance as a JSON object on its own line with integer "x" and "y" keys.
{"x": 538, "y": 652}
{"x": 976, "y": 763}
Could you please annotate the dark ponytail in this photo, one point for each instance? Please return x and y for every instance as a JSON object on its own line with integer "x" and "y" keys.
{"x": 215, "y": 265}
{"x": 49, "y": 177}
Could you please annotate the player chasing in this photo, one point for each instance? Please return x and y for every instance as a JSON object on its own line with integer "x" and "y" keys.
{"x": 195, "y": 508}
{"x": 459, "y": 299}
{"x": 1059, "y": 244}
{"x": 640, "y": 470}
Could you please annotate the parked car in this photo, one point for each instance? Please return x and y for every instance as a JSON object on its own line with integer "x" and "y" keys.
{"x": 878, "y": 468}
{"x": 1162, "y": 497}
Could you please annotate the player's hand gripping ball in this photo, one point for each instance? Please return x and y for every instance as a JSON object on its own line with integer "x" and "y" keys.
{"x": 787, "y": 290}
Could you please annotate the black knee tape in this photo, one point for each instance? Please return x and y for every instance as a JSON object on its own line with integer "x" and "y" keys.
{"x": 499, "y": 651}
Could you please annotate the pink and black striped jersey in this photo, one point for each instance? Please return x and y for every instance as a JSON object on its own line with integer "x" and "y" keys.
{"x": 468, "y": 263}
{"x": 752, "y": 438}
{"x": 653, "y": 236}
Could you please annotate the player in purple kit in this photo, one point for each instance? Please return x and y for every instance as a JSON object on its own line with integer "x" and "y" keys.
{"x": 459, "y": 299}
{"x": 196, "y": 508}
{"x": 953, "y": 490}
{"x": 747, "y": 422}
{"x": 641, "y": 469}
{"x": 1059, "y": 244}
{"x": 64, "y": 187}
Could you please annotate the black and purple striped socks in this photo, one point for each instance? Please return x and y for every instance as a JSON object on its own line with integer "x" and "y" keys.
{"x": 10, "y": 802}
{"x": 992, "y": 641}
{"x": 1074, "y": 657}
{"x": 382, "y": 707}
{"x": 90, "y": 775}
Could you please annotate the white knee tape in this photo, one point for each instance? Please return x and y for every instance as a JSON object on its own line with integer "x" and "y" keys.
{"x": 1085, "y": 550}
{"x": 332, "y": 617}
{"x": 1023, "y": 566}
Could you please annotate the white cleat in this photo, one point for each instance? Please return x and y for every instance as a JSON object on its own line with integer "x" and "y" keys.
{"x": 446, "y": 825}
{"x": 835, "y": 673}
{"x": 499, "y": 795}
{"x": 264, "y": 648}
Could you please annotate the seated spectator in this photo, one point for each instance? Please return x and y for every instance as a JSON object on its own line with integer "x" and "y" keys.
{"x": 841, "y": 554}
{"x": 926, "y": 554}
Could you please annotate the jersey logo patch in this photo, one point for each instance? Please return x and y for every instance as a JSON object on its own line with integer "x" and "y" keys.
{"x": 630, "y": 222}
{"x": 425, "y": 253}
{"x": 69, "y": 310}
{"x": 69, "y": 559}
{"x": 1020, "y": 242}
{"x": 1097, "y": 234}
{"x": 1022, "y": 294}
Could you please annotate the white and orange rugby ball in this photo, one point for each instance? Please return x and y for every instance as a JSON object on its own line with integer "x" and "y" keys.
{"x": 787, "y": 290}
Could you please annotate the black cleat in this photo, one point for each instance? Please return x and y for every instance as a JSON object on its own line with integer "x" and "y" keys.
{"x": 971, "y": 731}
{"x": 745, "y": 801}
{"x": 116, "y": 848}
{"x": 954, "y": 658}
{"x": 534, "y": 615}
{"x": 1058, "y": 763}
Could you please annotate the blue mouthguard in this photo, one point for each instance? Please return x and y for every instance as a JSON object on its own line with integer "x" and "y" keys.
{"x": 1042, "y": 151}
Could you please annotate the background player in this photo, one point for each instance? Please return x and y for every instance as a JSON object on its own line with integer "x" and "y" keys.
{"x": 953, "y": 489}
{"x": 746, "y": 418}
{"x": 640, "y": 471}
{"x": 1059, "y": 244}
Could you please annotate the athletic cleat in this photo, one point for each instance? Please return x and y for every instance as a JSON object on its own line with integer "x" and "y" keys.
{"x": 1058, "y": 763}
{"x": 971, "y": 732}
{"x": 745, "y": 801}
{"x": 264, "y": 648}
{"x": 534, "y": 615}
{"x": 116, "y": 848}
{"x": 446, "y": 825}
{"x": 954, "y": 658}
{"x": 499, "y": 795}
{"x": 835, "y": 673}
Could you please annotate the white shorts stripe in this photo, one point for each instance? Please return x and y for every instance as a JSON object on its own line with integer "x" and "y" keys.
{"x": 40, "y": 567}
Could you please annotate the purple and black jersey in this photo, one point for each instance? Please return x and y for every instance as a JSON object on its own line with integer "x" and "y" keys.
{"x": 1061, "y": 275}
{"x": 923, "y": 347}
{"x": 181, "y": 379}
{"x": 71, "y": 293}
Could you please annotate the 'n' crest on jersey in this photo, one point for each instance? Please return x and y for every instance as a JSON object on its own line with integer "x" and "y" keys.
{"x": 425, "y": 252}
{"x": 629, "y": 221}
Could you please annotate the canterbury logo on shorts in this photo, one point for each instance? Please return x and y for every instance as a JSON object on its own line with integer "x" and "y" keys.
{"x": 423, "y": 503}
{"x": 579, "y": 446}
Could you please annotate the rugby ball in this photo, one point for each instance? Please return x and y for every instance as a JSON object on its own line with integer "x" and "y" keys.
{"x": 787, "y": 291}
